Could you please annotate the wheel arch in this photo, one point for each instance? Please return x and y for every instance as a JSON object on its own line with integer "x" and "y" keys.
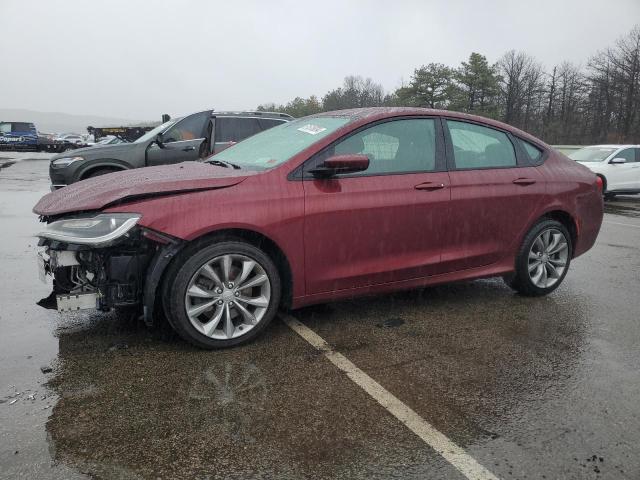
{"x": 264, "y": 243}
{"x": 562, "y": 216}
{"x": 566, "y": 219}
{"x": 105, "y": 164}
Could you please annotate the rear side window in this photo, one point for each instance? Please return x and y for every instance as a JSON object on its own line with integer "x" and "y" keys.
{"x": 533, "y": 153}
{"x": 189, "y": 128}
{"x": 475, "y": 146}
{"x": 266, "y": 123}
{"x": 230, "y": 129}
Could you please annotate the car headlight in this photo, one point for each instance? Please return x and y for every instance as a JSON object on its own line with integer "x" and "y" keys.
{"x": 97, "y": 231}
{"x": 65, "y": 161}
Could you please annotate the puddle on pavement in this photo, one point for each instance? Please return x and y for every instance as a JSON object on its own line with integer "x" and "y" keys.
{"x": 626, "y": 206}
{"x": 391, "y": 323}
{"x": 5, "y": 164}
{"x": 493, "y": 355}
{"x": 156, "y": 407}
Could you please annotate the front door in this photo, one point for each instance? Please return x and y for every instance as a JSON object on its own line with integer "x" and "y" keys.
{"x": 182, "y": 142}
{"x": 624, "y": 176}
{"x": 385, "y": 224}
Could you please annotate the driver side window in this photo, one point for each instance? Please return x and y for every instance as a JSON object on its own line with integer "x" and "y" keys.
{"x": 189, "y": 128}
{"x": 398, "y": 146}
{"x": 628, "y": 154}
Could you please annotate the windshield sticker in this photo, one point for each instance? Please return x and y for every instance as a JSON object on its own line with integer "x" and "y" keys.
{"x": 312, "y": 129}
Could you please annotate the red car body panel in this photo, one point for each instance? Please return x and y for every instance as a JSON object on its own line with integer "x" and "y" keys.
{"x": 375, "y": 229}
{"x": 98, "y": 192}
{"x": 279, "y": 215}
{"x": 490, "y": 211}
{"x": 350, "y": 236}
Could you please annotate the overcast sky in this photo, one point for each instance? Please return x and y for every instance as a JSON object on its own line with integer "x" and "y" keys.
{"x": 138, "y": 59}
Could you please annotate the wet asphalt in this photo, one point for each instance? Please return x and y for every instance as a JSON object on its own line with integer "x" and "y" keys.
{"x": 531, "y": 388}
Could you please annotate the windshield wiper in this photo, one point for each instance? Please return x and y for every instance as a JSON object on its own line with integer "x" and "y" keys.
{"x": 222, "y": 163}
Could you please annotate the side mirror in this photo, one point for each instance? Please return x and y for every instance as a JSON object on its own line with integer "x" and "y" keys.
{"x": 159, "y": 140}
{"x": 617, "y": 160}
{"x": 337, "y": 164}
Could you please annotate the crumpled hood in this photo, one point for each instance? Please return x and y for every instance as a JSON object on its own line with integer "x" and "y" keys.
{"x": 99, "y": 192}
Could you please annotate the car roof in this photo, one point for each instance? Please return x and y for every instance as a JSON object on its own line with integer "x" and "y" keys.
{"x": 252, "y": 113}
{"x": 378, "y": 113}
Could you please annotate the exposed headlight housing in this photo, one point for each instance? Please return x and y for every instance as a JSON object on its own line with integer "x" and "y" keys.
{"x": 65, "y": 161}
{"x": 97, "y": 231}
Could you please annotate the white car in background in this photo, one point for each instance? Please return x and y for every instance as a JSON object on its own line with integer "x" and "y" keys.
{"x": 617, "y": 165}
{"x": 70, "y": 138}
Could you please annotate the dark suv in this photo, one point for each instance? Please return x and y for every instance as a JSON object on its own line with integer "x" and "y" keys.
{"x": 191, "y": 137}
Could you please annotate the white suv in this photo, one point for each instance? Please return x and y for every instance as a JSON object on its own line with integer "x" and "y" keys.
{"x": 617, "y": 165}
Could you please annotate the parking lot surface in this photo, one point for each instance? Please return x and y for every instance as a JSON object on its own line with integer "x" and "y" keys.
{"x": 529, "y": 388}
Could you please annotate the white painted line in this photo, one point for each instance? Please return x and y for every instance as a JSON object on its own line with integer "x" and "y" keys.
{"x": 451, "y": 452}
{"x": 623, "y": 224}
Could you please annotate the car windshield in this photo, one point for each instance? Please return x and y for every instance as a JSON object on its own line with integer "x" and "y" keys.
{"x": 275, "y": 146}
{"x": 153, "y": 133}
{"x": 592, "y": 154}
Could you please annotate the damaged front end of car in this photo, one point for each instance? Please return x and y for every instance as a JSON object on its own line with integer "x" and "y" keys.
{"x": 104, "y": 261}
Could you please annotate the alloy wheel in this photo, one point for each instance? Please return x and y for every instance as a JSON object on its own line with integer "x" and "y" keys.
{"x": 548, "y": 258}
{"x": 228, "y": 296}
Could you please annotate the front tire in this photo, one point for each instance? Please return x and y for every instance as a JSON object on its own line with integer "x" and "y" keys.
{"x": 543, "y": 259}
{"x": 222, "y": 295}
{"x": 99, "y": 172}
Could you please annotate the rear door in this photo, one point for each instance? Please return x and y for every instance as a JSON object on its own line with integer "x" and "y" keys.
{"x": 182, "y": 142}
{"x": 385, "y": 224}
{"x": 493, "y": 195}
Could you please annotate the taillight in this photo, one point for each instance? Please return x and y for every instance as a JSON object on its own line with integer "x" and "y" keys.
{"x": 599, "y": 184}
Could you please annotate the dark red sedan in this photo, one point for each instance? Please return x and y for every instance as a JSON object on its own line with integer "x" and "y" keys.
{"x": 326, "y": 207}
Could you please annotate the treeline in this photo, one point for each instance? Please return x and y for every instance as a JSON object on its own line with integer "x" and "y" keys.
{"x": 567, "y": 104}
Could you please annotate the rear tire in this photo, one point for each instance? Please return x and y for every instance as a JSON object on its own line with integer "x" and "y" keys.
{"x": 543, "y": 259}
{"x": 223, "y": 294}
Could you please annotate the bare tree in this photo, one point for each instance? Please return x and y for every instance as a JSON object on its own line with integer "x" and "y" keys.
{"x": 596, "y": 104}
{"x": 355, "y": 92}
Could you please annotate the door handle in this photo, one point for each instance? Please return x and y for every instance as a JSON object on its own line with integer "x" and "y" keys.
{"x": 524, "y": 181}
{"x": 189, "y": 149}
{"x": 429, "y": 186}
